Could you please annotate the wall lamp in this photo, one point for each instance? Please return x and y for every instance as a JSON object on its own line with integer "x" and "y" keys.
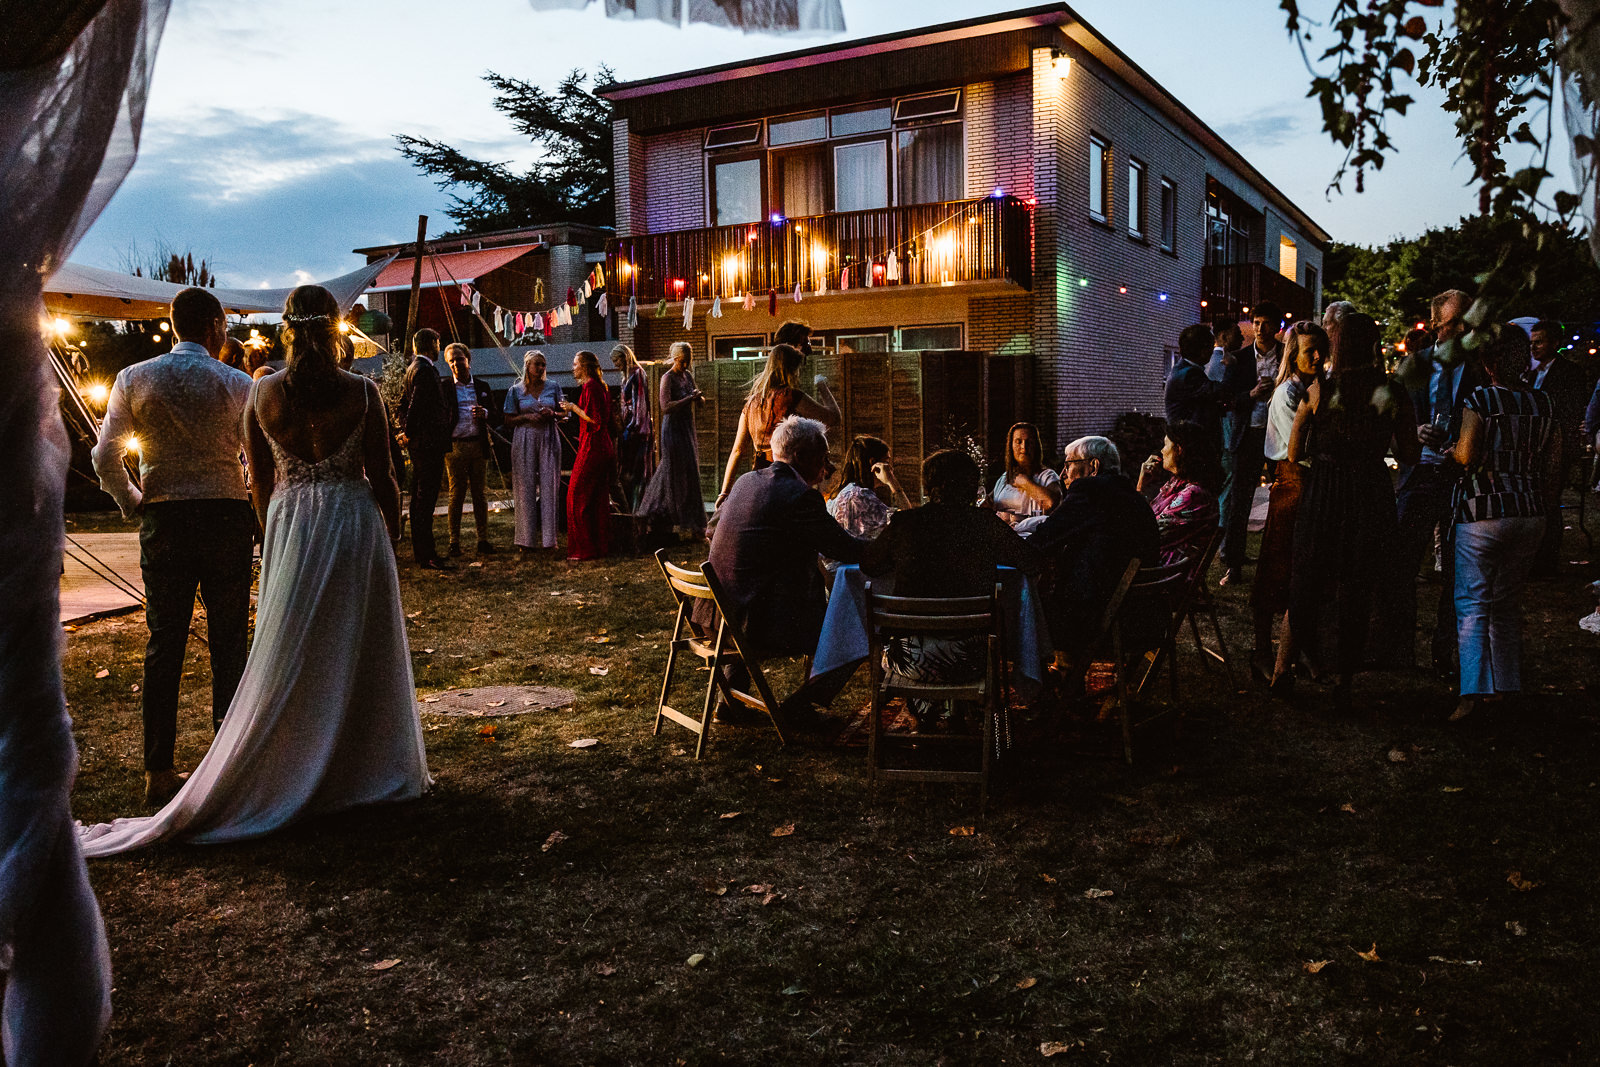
{"x": 1060, "y": 62}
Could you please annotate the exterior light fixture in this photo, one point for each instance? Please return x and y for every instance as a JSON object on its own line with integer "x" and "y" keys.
{"x": 1061, "y": 63}
{"x": 998, "y": 193}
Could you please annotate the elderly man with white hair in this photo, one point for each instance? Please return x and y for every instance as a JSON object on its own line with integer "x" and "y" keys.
{"x": 1101, "y": 524}
{"x": 764, "y": 550}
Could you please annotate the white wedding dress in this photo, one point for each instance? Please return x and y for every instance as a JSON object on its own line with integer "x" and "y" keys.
{"x": 325, "y": 717}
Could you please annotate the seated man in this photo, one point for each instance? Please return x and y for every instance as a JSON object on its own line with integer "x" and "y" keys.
{"x": 1101, "y": 524}
{"x": 764, "y": 551}
{"x": 948, "y": 547}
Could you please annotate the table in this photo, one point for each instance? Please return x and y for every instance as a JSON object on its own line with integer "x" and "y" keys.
{"x": 843, "y": 643}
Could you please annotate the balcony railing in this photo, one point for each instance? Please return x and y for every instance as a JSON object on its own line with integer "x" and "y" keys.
{"x": 1231, "y": 288}
{"x": 930, "y": 244}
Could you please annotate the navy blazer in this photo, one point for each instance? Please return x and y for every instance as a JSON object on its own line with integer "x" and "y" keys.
{"x": 421, "y": 414}
{"x": 452, "y": 406}
{"x": 1190, "y": 396}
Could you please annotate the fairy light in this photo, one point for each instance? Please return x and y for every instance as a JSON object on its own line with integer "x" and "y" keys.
{"x": 63, "y": 327}
{"x": 131, "y": 443}
{"x": 98, "y": 393}
{"x": 164, "y": 327}
{"x": 344, "y": 327}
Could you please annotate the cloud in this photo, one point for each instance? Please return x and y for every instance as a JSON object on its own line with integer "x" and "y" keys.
{"x": 1267, "y": 128}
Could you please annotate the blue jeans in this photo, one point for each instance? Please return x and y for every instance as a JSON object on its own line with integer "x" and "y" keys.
{"x": 1493, "y": 557}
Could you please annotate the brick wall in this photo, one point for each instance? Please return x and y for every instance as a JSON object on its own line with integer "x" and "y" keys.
{"x": 1001, "y": 324}
{"x": 628, "y": 165}
{"x": 999, "y": 130}
{"x": 674, "y": 179}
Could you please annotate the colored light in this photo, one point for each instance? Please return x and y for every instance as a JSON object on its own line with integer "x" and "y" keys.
{"x": 777, "y": 219}
{"x": 1205, "y": 303}
{"x": 1161, "y": 297}
{"x": 998, "y": 192}
{"x": 1122, "y": 288}
{"x": 1083, "y": 283}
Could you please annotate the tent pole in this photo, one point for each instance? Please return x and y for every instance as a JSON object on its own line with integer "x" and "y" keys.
{"x": 416, "y": 284}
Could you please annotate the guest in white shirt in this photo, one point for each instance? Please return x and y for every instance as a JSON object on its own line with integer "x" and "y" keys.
{"x": 182, "y": 413}
{"x": 1028, "y": 490}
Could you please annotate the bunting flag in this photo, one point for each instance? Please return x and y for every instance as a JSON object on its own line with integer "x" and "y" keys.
{"x": 661, "y": 309}
{"x": 716, "y": 306}
{"x": 477, "y": 302}
{"x": 749, "y": 300}
{"x": 538, "y": 323}
{"x": 563, "y": 316}
{"x": 633, "y": 312}
{"x": 603, "y": 307}
{"x": 466, "y": 295}
{"x": 891, "y": 270}
{"x": 772, "y": 301}
{"x": 599, "y": 276}
{"x": 499, "y": 321}
{"x": 797, "y": 292}
{"x": 549, "y": 326}
{"x": 844, "y": 279}
{"x": 587, "y": 291}
{"x": 822, "y": 282}
{"x": 688, "y": 313}
{"x": 538, "y": 290}
{"x": 572, "y": 297}
{"x": 517, "y": 322}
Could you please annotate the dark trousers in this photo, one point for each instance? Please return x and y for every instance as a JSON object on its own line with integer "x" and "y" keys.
{"x": 1242, "y": 467}
{"x": 1423, "y": 502}
{"x": 427, "y": 474}
{"x": 185, "y": 545}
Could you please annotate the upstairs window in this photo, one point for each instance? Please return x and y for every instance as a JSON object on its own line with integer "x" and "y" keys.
{"x": 861, "y": 176}
{"x": 1169, "y": 216}
{"x": 850, "y": 122}
{"x": 1099, "y": 179}
{"x": 934, "y": 105}
{"x": 736, "y": 191}
{"x": 928, "y": 164}
{"x": 1136, "y": 216}
{"x": 793, "y": 129}
{"x": 744, "y": 133}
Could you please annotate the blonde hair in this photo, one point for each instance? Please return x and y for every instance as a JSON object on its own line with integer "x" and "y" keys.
{"x": 528, "y": 360}
{"x": 684, "y": 346}
{"x": 1301, "y": 333}
{"x": 629, "y": 362}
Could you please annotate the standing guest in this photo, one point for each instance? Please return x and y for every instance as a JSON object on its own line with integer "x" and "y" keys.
{"x": 673, "y": 496}
{"x": 467, "y": 402}
{"x": 1251, "y": 378}
{"x": 633, "y": 448}
{"x": 1303, "y": 357}
{"x": 424, "y": 425}
{"x": 1101, "y": 524}
{"x": 1186, "y": 504}
{"x": 1028, "y": 489}
{"x": 1417, "y": 340}
{"x": 233, "y": 354}
{"x": 1229, "y": 339}
{"x": 255, "y": 363}
{"x": 1562, "y": 380}
{"x": 1510, "y": 437}
{"x": 589, "y": 489}
{"x": 868, "y": 489}
{"x": 532, "y": 406}
{"x": 196, "y": 529}
{"x": 1190, "y": 396}
{"x": 1439, "y": 380}
{"x": 774, "y": 395}
{"x": 1346, "y": 519}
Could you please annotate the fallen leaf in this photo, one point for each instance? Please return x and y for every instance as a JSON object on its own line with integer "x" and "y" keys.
{"x": 1053, "y": 1048}
{"x": 730, "y": 815}
{"x": 430, "y": 700}
{"x": 1519, "y": 883}
{"x": 1351, "y": 808}
{"x": 102, "y": 673}
{"x": 1453, "y": 789}
{"x": 694, "y": 961}
{"x": 602, "y": 671}
{"x": 759, "y": 887}
{"x": 475, "y": 563}
{"x": 584, "y": 742}
{"x": 384, "y": 965}
{"x": 1396, "y": 756}
{"x": 792, "y": 991}
{"x": 783, "y": 831}
{"x": 1371, "y": 955}
{"x": 487, "y": 730}
{"x": 962, "y": 831}
{"x": 1315, "y": 966}
{"x": 413, "y": 614}
{"x": 497, "y": 703}
{"x": 1098, "y": 894}
{"x": 1516, "y": 928}
{"x": 599, "y": 640}
{"x": 71, "y": 629}
{"x": 1049, "y": 880}
{"x": 604, "y": 969}
{"x": 555, "y": 838}
{"x": 474, "y": 670}
{"x": 1027, "y": 983}
{"x": 770, "y": 897}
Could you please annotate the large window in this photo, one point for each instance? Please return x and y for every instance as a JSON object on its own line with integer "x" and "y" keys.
{"x": 1099, "y": 179}
{"x": 1136, "y": 215}
{"x": 928, "y": 164}
{"x": 1169, "y": 216}
{"x": 748, "y": 346}
{"x": 930, "y": 338}
{"x": 860, "y": 176}
{"x": 800, "y": 181}
{"x": 736, "y": 191}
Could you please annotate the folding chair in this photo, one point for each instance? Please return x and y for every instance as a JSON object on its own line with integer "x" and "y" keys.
{"x": 733, "y": 646}
{"x": 1152, "y": 595}
{"x": 951, "y": 617}
{"x": 687, "y": 587}
{"x": 1196, "y": 603}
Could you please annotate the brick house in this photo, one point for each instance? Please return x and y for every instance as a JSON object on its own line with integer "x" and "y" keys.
{"x": 1011, "y": 184}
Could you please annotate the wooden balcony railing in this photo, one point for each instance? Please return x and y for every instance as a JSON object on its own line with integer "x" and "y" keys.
{"x": 1228, "y": 289}
{"x": 932, "y": 244}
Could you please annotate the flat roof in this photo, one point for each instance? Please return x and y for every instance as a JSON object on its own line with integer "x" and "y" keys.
{"x": 1059, "y": 15}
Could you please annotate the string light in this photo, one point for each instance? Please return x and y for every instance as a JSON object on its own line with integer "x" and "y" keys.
{"x": 98, "y": 393}
{"x": 132, "y": 443}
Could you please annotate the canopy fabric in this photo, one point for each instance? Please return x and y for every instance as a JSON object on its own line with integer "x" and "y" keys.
{"x": 448, "y": 268}
{"x": 92, "y": 293}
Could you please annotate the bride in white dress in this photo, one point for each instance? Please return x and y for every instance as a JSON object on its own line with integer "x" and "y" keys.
{"x": 325, "y": 717}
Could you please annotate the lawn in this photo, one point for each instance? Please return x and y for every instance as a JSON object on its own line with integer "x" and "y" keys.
{"x": 1284, "y": 885}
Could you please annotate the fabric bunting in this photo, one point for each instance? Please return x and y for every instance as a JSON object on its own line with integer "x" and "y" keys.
{"x": 603, "y": 306}
{"x": 688, "y": 313}
{"x": 633, "y": 311}
{"x": 891, "y": 271}
{"x": 661, "y": 309}
{"x": 772, "y": 301}
{"x": 797, "y": 292}
{"x": 749, "y": 300}
{"x": 716, "y": 306}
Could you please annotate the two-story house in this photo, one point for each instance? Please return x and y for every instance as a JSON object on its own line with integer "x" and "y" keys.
{"x": 1009, "y": 184}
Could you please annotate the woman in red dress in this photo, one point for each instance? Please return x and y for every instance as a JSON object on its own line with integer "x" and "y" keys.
{"x": 589, "y": 491}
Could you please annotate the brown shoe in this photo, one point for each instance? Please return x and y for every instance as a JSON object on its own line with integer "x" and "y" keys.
{"x": 162, "y": 786}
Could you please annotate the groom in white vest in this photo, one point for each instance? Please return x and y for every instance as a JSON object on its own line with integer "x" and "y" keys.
{"x": 186, "y": 411}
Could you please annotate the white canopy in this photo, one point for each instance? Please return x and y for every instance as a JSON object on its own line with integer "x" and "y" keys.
{"x": 91, "y": 293}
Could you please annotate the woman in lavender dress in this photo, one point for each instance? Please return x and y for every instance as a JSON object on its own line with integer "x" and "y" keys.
{"x": 673, "y": 496}
{"x": 533, "y": 404}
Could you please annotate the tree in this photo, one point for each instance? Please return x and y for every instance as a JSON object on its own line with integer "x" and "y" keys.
{"x": 571, "y": 182}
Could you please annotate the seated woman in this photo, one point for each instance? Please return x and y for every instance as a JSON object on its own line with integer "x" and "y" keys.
{"x": 1028, "y": 490}
{"x": 868, "y": 489}
{"x": 946, "y": 548}
{"x": 1186, "y": 505}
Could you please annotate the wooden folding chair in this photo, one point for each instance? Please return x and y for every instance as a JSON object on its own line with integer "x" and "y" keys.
{"x": 1196, "y": 603}
{"x": 733, "y": 646}
{"x": 689, "y": 586}
{"x": 1151, "y": 596}
{"x": 950, "y": 617}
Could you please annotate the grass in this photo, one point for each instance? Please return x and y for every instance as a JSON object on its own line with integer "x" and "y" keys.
{"x": 1271, "y": 837}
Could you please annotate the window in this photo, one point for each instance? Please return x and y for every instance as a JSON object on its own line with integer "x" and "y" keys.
{"x": 860, "y": 176}
{"x": 1099, "y": 179}
{"x": 927, "y": 107}
{"x": 1311, "y": 287}
{"x": 852, "y": 121}
{"x": 930, "y": 338}
{"x": 800, "y": 181}
{"x": 744, "y": 347}
{"x": 928, "y": 165}
{"x": 1288, "y": 259}
{"x": 736, "y": 192}
{"x": 847, "y": 343}
{"x": 729, "y": 136}
{"x": 792, "y": 129}
{"x": 1136, "y": 215}
{"x": 1169, "y": 216}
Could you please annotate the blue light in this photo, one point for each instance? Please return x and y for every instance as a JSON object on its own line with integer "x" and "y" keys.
{"x": 1162, "y": 297}
{"x": 777, "y": 219}
{"x": 998, "y": 192}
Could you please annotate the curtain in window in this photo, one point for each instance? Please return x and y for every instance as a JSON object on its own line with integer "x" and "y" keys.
{"x": 803, "y": 183}
{"x": 928, "y": 164}
{"x": 860, "y": 176}
{"x": 73, "y": 81}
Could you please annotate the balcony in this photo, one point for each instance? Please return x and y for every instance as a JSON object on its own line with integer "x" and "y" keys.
{"x": 1230, "y": 288}
{"x": 933, "y": 244}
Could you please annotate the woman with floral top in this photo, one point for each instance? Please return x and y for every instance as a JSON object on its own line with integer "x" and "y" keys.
{"x": 1186, "y": 504}
{"x": 867, "y": 490}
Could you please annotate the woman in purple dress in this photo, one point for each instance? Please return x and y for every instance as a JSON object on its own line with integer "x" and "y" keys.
{"x": 673, "y": 496}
